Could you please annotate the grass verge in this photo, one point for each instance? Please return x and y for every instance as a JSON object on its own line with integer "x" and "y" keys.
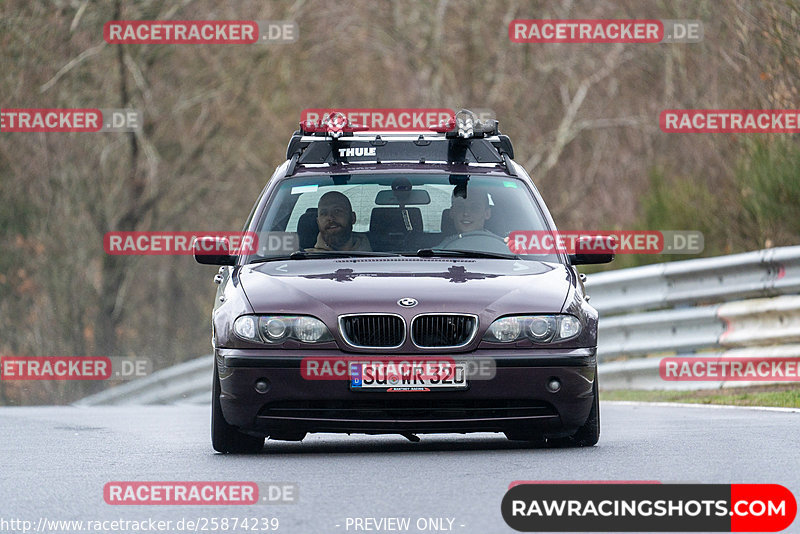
{"x": 783, "y": 396}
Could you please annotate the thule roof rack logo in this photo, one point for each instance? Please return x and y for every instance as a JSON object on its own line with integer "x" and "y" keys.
{"x": 356, "y": 151}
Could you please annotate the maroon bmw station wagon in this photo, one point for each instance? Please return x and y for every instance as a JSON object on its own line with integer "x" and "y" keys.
{"x": 381, "y": 296}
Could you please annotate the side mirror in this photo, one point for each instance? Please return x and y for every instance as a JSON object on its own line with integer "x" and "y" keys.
{"x": 590, "y": 259}
{"x": 594, "y": 249}
{"x": 213, "y": 251}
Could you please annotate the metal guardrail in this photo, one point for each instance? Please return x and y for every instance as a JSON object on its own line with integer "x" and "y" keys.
{"x": 761, "y": 321}
{"x": 682, "y": 308}
{"x": 186, "y": 382}
{"x": 644, "y": 373}
{"x": 763, "y": 273}
{"x": 744, "y": 323}
{"x": 687, "y": 329}
{"x": 697, "y": 307}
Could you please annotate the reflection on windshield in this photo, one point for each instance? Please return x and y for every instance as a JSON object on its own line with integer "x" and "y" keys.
{"x": 398, "y": 214}
{"x": 456, "y": 273}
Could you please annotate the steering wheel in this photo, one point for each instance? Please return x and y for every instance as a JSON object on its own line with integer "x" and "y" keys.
{"x": 479, "y": 240}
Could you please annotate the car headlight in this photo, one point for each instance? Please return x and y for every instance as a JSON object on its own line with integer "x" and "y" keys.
{"x": 541, "y": 328}
{"x": 570, "y": 327}
{"x": 278, "y": 328}
{"x": 505, "y": 329}
{"x": 309, "y": 329}
{"x": 245, "y": 327}
{"x": 273, "y": 329}
{"x": 537, "y": 328}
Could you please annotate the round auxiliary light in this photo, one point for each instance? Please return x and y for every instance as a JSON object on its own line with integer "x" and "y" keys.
{"x": 262, "y": 385}
{"x": 465, "y": 121}
{"x": 553, "y": 385}
{"x": 335, "y": 124}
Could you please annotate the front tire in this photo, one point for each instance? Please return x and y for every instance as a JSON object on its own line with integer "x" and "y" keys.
{"x": 226, "y": 438}
{"x": 587, "y": 435}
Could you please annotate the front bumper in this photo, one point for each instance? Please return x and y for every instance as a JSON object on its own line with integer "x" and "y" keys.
{"x": 516, "y": 398}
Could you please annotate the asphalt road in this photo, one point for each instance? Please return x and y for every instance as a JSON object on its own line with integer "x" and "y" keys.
{"x": 56, "y": 461}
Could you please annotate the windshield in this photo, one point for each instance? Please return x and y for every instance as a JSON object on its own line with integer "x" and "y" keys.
{"x": 408, "y": 214}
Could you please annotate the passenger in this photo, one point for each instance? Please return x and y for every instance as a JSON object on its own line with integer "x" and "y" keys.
{"x": 470, "y": 213}
{"x": 335, "y": 219}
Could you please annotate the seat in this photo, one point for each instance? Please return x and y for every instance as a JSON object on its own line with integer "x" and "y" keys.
{"x": 448, "y": 227}
{"x": 307, "y": 228}
{"x": 387, "y": 229}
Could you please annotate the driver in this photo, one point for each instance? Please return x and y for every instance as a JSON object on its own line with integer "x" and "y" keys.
{"x": 335, "y": 219}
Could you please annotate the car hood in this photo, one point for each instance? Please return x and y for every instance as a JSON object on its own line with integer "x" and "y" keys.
{"x": 328, "y": 288}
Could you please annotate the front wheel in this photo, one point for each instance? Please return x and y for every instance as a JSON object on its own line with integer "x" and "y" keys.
{"x": 226, "y": 438}
{"x": 588, "y": 434}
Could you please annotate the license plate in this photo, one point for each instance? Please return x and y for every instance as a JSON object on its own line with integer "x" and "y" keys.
{"x": 407, "y": 376}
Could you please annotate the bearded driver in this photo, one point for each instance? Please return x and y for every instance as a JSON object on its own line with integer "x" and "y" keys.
{"x": 335, "y": 219}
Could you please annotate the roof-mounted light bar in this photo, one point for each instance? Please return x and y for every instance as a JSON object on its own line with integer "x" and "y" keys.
{"x": 466, "y": 139}
{"x": 333, "y": 125}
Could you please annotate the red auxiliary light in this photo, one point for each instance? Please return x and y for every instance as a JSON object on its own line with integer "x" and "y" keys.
{"x": 333, "y": 125}
{"x": 445, "y": 126}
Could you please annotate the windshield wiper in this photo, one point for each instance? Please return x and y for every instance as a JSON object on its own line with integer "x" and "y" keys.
{"x": 303, "y": 255}
{"x": 315, "y": 254}
{"x": 432, "y": 252}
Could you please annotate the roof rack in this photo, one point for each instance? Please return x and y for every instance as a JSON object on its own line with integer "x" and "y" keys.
{"x": 456, "y": 141}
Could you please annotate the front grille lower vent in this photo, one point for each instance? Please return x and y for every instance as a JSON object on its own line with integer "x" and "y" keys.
{"x": 406, "y": 409}
{"x": 373, "y": 331}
